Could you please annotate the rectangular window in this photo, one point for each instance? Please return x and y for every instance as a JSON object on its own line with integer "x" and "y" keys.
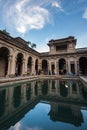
{"x": 61, "y": 47}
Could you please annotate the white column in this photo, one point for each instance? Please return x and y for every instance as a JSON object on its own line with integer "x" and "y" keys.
{"x": 9, "y": 65}
{"x": 39, "y": 65}
{"x": 13, "y": 65}
{"x": 33, "y": 67}
{"x": 25, "y": 64}
{"x": 50, "y": 68}
{"x": 66, "y": 67}
{"x": 69, "y": 69}
{"x": 76, "y": 66}
{"x": 56, "y": 67}
{"x": 23, "y": 67}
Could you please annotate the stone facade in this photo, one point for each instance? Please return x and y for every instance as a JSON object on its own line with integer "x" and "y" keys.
{"x": 18, "y": 59}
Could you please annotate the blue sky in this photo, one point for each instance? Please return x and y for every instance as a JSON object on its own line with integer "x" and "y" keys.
{"x": 39, "y": 21}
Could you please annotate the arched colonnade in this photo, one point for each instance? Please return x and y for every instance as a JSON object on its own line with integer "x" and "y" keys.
{"x": 19, "y": 63}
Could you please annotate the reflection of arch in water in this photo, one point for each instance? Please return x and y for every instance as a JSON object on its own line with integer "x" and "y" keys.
{"x": 45, "y": 87}
{"x": 63, "y": 89}
{"x": 4, "y": 54}
{"x": 28, "y": 91}
{"x": 2, "y": 102}
{"x": 17, "y": 96}
{"x": 36, "y": 88}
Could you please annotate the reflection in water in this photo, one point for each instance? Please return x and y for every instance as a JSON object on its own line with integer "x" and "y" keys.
{"x": 45, "y": 87}
{"x": 17, "y": 96}
{"x": 28, "y": 91}
{"x": 63, "y": 89}
{"x": 67, "y": 99}
{"x": 36, "y": 88}
{"x": 66, "y": 113}
{"x": 2, "y": 102}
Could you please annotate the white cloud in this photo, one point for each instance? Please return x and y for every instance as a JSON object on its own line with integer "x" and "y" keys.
{"x": 42, "y": 48}
{"x": 25, "y": 15}
{"x": 20, "y": 126}
{"x": 81, "y": 40}
{"x": 85, "y": 14}
{"x": 16, "y": 126}
{"x": 57, "y": 5}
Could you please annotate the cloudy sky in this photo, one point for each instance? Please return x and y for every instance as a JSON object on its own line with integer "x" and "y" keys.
{"x": 39, "y": 21}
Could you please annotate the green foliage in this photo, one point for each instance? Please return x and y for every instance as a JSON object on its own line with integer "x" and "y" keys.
{"x": 32, "y": 45}
{"x": 5, "y": 31}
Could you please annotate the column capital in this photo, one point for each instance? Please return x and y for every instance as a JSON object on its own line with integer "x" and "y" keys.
{"x": 10, "y": 57}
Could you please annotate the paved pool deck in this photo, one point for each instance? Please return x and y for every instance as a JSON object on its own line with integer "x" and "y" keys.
{"x": 84, "y": 78}
{"x": 8, "y": 80}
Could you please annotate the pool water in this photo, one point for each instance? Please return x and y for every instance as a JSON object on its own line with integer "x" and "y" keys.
{"x": 44, "y": 105}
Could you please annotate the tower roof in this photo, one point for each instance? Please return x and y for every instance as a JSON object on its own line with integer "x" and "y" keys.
{"x": 62, "y": 41}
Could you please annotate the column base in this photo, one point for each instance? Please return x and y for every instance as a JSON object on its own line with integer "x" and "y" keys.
{"x": 11, "y": 75}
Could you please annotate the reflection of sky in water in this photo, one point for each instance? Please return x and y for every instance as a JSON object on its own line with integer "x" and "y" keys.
{"x": 62, "y": 106}
{"x": 38, "y": 119}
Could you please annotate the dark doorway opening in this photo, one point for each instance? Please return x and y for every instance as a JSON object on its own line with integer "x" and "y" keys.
{"x": 4, "y": 55}
{"x": 62, "y": 67}
{"x": 72, "y": 68}
{"x": 19, "y": 64}
{"x": 53, "y": 69}
{"x": 83, "y": 65}
{"x": 45, "y": 67}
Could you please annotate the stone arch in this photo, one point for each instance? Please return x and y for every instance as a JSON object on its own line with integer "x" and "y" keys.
{"x": 83, "y": 65}
{"x": 45, "y": 66}
{"x": 19, "y": 64}
{"x": 36, "y": 66}
{"x": 4, "y": 55}
{"x": 29, "y": 65}
{"x": 62, "y": 66}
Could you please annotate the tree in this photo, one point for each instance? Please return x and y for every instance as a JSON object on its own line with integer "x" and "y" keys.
{"x": 5, "y": 31}
{"x": 32, "y": 45}
{"x": 29, "y": 43}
